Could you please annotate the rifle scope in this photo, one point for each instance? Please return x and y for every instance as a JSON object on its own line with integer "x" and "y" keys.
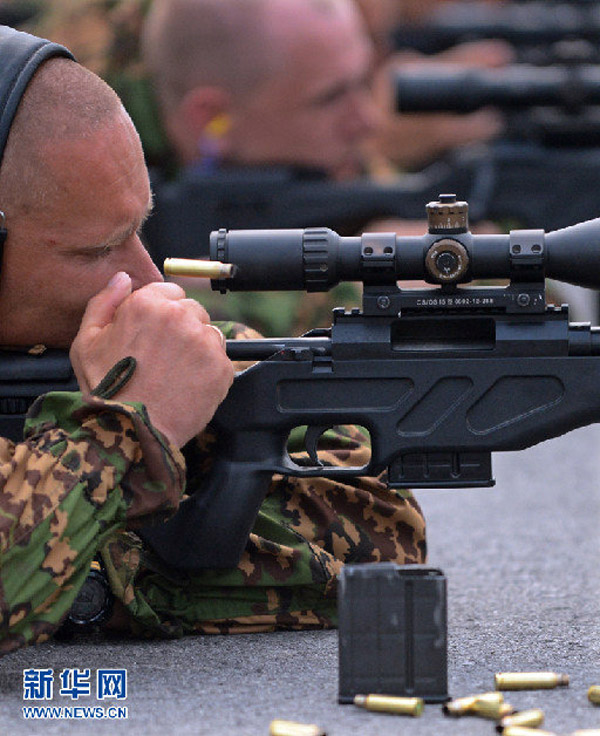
{"x": 316, "y": 259}
{"x": 522, "y": 24}
{"x": 520, "y": 86}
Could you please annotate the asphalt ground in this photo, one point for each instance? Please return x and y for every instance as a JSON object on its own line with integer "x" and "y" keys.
{"x": 523, "y": 594}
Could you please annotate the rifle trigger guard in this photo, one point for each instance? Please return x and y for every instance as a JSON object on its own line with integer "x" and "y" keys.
{"x": 311, "y": 442}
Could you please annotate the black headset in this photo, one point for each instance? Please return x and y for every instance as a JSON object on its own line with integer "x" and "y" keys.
{"x": 20, "y": 56}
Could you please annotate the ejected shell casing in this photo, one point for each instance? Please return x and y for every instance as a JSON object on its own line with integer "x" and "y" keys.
{"x": 493, "y": 711}
{"x": 587, "y": 732}
{"x": 290, "y": 728}
{"x": 459, "y": 706}
{"x": 198, "y": 269}
{"x": 525, "y": 731}
{"x": 530, "y": 680}
{"x": 530, "y": 718}
{"x": 594, "y": 694}
{"x": 390, "y": 704}
{"x": 464, "y": 706}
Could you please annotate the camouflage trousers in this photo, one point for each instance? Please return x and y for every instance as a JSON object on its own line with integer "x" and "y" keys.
{"x": 286, "y": 579}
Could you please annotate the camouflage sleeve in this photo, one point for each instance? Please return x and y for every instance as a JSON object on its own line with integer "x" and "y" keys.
{"x": 86, "y": 468}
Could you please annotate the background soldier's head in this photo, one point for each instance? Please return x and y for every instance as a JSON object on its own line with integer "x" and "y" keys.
{"x": 263, "y": 81}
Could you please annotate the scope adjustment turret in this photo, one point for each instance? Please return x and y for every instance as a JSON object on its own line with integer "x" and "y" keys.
{"x": 447, "y": 216}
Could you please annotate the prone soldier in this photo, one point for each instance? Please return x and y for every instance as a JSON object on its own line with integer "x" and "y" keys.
{"x": 74, "y": 191}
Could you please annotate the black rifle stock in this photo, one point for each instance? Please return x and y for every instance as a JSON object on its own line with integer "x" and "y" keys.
{"x": 440, "y": 377}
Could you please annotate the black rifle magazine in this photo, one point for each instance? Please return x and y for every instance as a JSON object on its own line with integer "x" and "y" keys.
{"x": 393, "y": 632}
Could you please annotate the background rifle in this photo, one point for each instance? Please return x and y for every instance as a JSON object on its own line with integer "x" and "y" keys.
{"x": 440, "y": 377}
{"x": 23, "y": 377}
{"x": 553, "y": 106}
{"x": 552, "y": 142}
{"x": 187, "y": 210}
{"x": 521, "y": 24}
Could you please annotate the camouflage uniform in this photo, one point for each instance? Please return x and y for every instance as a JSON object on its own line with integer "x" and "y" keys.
{"x": 87, "y": 468}
{"x": 279, "y": 313}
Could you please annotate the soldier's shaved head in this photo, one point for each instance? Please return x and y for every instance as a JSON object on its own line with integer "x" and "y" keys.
{"x": 63, "y": 102}
{"x": 235, "y": 44}
{"x": 75, "y": 190}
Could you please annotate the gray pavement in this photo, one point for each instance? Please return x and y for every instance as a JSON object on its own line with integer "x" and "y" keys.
{"x": 524, "y": 581}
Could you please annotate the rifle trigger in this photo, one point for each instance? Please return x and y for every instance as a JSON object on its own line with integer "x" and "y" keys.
{"x": 311, "y": 442}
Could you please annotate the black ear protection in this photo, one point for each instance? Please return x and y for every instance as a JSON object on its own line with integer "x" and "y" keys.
{"x": 20, "y": 55}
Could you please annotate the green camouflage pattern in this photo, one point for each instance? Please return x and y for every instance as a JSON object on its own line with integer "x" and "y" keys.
{"x": 287, "y": 577}
{"x": 86, "y": 468}
{"x": 278, "y": 313}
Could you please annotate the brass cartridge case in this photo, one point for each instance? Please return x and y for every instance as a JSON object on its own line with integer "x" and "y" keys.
{"x": 594, "y": 694}
{"x": 464, "y": 706}
{"x": 587, "y": 732}
{"x": 530, "y": 718}
{"x": 493, "y": 711}
{"x": 530, "y": 680}
{"x": 459, "y": 706}
{"x": 290, "y": 728}
{"x": 525, "y": 731}
{"x": 197, "y": 268}
{"x": 390, "y": 704}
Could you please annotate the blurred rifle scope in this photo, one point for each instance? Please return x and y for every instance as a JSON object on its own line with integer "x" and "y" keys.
{"x": 521, "y": 24}
{"x": 517, "y": 87}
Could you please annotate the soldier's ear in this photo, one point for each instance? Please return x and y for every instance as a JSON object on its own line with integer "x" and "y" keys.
{"x": 205, "y": 110}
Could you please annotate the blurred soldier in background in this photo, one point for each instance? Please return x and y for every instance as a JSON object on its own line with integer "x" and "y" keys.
{"x": 248, "y": 84}
{"x": 269, "y": 82}
{"x": 308, "y": 101}
{"x": 105, "y": 35}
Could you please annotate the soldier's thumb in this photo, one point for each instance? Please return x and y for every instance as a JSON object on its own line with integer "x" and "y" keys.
{"x": 101, "y": 308}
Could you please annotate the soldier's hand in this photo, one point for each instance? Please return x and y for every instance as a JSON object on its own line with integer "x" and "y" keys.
{"x": 182, "y": 372}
